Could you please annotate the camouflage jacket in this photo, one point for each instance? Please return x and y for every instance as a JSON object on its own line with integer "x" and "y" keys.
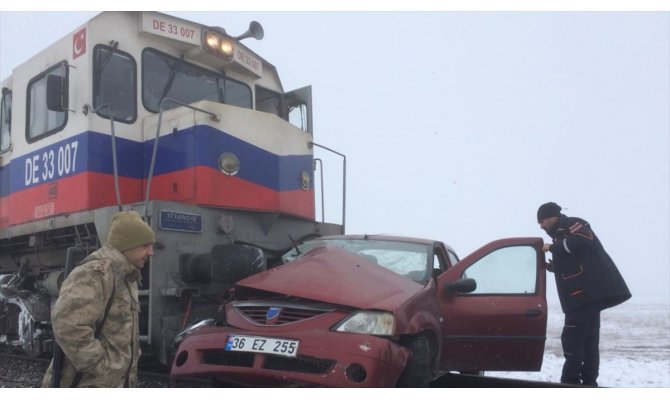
{"x": 110, "y": 360}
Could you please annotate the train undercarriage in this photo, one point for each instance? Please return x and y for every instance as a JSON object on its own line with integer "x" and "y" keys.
{"x": 194, "y": 265}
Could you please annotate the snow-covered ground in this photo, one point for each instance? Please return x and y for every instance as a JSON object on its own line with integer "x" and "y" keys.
{"x": 634, "y": 346}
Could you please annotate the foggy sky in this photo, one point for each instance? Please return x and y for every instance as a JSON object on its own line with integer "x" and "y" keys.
{"x": 458, "y": 125}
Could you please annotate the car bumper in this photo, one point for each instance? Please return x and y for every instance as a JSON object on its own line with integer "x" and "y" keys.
{"x": 324, "y": 359}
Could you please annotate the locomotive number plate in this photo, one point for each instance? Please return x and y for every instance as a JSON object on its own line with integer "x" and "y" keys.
{"x": 179, "y": 221}
{"x": 259, "y": 344}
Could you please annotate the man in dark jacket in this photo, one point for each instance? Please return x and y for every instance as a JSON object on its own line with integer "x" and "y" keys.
{"x": 587, "y": 281}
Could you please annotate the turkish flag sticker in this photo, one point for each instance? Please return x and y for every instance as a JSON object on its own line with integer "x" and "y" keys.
{"x": 79, "y": 43}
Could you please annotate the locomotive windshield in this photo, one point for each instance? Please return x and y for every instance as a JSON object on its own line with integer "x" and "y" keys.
{"x": 165, "y": 76}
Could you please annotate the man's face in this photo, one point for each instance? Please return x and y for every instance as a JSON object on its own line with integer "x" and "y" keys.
{"x": 547, "y": 223}
{"x": 140, "y": 255}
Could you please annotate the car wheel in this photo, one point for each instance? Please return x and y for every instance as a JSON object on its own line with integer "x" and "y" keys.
{"x": 419, "y": 368}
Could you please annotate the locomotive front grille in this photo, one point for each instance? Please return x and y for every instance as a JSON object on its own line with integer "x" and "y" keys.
{"x": 278, "y": 314}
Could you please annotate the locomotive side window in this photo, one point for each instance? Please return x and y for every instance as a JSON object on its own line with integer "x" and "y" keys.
{"x": 268, "y": 101}
{"x": 297, "y": 115}
{"x": 166, "y": 76}
{"x": 272, "y": 102}
{"x": 114, "y": 83}
{"x": 5, "y": 120}
{"x": 41, "y": 120}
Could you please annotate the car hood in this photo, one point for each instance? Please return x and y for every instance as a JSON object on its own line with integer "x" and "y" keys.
{"x": 332, "y": 275}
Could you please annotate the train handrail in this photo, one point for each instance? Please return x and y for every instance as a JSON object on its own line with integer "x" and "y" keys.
{"x": 114, "y": 161}
{"x": 344, "y": 180}
{"x": 323, "y": 205}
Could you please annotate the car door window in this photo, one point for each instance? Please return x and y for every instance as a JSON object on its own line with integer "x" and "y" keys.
{"x": 438, "y": 266}
{"x": 453, "y": 258}
{"x": 510, "y": 270}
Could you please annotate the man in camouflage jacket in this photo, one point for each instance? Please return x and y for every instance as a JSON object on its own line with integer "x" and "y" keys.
{"x": 110, "y": 273}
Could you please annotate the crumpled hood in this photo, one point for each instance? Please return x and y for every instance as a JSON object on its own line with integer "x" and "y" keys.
{"x": 332, "y": 275}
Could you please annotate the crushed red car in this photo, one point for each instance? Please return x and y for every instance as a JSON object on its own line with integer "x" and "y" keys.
{"x": 375, "y": 311}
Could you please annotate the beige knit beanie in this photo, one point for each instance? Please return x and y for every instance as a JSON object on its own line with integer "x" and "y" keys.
{"x": 129, "y": 231}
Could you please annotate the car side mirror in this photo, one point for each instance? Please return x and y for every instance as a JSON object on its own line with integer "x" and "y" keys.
{"x": 56, "y": 93}
{"x": 466, "y": 285}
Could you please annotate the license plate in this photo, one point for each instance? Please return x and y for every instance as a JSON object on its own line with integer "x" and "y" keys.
{"x": 259, "y": 344}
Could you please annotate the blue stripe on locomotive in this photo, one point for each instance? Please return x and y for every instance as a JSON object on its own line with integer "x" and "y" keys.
{"x": 94, "y": 154}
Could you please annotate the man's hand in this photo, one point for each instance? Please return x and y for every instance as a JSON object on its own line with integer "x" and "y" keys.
{"x": 549, "y": 265}
{"x": 546, "y": 247}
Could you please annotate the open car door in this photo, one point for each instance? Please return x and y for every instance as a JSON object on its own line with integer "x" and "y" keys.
{"x": 501, "y": 325}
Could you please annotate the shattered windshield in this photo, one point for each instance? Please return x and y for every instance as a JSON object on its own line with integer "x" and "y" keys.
{"x": 408, "y": 259}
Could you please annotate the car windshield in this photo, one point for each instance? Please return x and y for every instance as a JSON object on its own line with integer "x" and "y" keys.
{"x": 403, "y": 258}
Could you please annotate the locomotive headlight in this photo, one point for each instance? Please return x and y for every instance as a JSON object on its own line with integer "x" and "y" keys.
{"x": 227, "y": 47}
{"x": 212, "y": 40}
{"x": 229, "y": 164}
{"x": 217, "y": 42}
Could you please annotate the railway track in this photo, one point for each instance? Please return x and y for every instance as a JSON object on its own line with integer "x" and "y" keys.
{"x": 19, "y": 370}
{"x": 452, "y": 380}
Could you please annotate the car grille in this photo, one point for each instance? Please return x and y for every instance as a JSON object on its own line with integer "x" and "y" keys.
{"x": 307, "y": 365}
{"x": 233, "y": 359}
{"x": 278, "y": 313}
{"x": 298, "y": 364}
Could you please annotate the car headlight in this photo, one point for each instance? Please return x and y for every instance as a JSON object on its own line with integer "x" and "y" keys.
{"x": 379, "y": 323}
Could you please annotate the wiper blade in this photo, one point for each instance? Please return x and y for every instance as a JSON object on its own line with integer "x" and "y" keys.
{"x": 295, "y": 245}
{"x": 171, "y": 78}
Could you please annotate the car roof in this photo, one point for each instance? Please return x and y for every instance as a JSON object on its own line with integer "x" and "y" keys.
{"x": 393, "y": 238}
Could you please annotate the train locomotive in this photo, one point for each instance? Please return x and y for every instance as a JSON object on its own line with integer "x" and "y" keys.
{"x": 176, "y": 120}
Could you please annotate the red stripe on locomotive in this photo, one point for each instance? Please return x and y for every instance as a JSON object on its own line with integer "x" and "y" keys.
{"x": 198, "y": 185}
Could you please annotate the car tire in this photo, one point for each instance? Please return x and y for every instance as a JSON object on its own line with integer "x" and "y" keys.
{"x": 418, "y": 371}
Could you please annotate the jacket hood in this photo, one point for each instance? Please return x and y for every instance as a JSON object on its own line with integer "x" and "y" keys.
{"x": 335, "y": 276}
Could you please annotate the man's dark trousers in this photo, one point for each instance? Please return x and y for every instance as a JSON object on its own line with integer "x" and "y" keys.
{"x": 580, "y": 340}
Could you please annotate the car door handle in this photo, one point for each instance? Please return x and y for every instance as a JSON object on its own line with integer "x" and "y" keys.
{"x": 534, "y": 313}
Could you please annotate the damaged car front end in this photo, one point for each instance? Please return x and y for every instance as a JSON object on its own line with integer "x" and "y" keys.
{"x": 328, "y": 317}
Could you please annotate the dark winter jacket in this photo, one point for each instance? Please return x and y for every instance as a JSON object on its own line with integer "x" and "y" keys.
{"x": 585, "y": 274}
